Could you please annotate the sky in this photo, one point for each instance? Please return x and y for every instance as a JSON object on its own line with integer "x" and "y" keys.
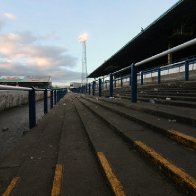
{"x": 41, "y": 37}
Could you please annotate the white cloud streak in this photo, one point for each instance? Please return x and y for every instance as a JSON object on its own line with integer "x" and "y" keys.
{"x": 9, "y": 16}
{"x": 20, "y": 54}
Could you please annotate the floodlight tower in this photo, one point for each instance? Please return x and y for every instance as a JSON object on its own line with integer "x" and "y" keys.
{"x": 83, "y": 39}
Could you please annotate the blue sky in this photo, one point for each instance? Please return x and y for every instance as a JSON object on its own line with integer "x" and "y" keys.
{"x": 41, "y": 37}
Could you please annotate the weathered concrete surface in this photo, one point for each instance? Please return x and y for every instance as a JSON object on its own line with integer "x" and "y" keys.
{"x": 14, "y": 124}
{"x": 58, "y": 137}
{"x": 9, "y": 99}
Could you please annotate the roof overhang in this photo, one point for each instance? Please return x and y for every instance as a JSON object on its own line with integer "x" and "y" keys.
{"x": 174, "y": 27}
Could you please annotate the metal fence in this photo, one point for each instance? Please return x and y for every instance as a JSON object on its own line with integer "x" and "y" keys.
{"x": 133, "y": 78}
{"x": 55, "y": 96}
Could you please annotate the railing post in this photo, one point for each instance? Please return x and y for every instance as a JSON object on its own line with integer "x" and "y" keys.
{"x": 55, "y": 97}
{"x": 111, "y": 85}
{"x": 142, "y": 78}
{"x": 58, "y": 95}
{"x": 130, "y": 80}
{"x": 32, "y": 109}
{"x": 89, "y": 88}
{"x": 99, "y": 87}
{"x": 45, "y": 101}
{"x": 121, "y": 81}
{"x": 133, "y": 83}
{"x": 51, "y": 99}
{"x": 83, "y": 89}
{"x": 159, "y": 75}
{"x": 94, "y": 88}
{"x": 186, "y": 71}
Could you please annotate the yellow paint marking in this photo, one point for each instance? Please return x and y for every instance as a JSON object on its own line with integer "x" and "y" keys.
{"x": 11, "y": 186}
{"x": 183, "y": 138}
{"x": 178, "y": 174}
{"x": 114, "y": 182}
{"x": 56, "y": 188}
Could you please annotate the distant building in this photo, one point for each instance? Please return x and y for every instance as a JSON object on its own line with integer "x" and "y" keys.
{"x": 27, "y": 81}
{"x": 75, "y": 85}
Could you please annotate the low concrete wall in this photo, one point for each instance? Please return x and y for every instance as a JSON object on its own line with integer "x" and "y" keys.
{"x": 9, "y": 99}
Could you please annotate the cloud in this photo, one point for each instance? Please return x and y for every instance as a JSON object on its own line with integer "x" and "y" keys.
{"x": 58, "y": 74}
{"x": 5, "y": 17}
{"x": 21, "y": 54}
{"x": 9, "y": 16}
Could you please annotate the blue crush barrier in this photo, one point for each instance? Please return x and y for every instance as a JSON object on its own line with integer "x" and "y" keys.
{"x": 55, "y": 96}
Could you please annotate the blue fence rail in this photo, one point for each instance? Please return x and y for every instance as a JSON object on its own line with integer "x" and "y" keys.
{"x": 55, "y": 96}
{"x": 133, "y": 73}
{"x": 110, "y": 82}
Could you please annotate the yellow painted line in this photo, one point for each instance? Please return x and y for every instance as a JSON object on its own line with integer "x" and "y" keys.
{"x": 183, "y": 138}
{"x": 178, "y": 174}
{"x": 11, "y": 186}
{"x": 112, "y": 179}
{"x": 56, "y": 188}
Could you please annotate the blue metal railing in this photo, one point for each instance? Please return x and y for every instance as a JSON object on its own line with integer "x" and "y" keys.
{"x": 132, "y": 69}
{"x": 100, "y": 84}
{"x": 55, "y": 96}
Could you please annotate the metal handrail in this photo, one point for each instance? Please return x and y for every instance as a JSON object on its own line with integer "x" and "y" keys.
{"x": 169, "y": 51}
{"x": 56, "y": 95}
{"x": 8, "y": 87}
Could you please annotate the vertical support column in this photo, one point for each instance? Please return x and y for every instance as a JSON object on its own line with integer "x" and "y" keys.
{"x": 115, "y": 82}
{"x": 83, "y": 87}
{"x": 51, "y": 99}
{"x": 121, "y": 81}
{"x": 45, "y": 101}
{"x": 186, "y": 71}
{"x": 94, "y": 88}
{"x": 133, "y": 84}
{"x": 86, "y": 88}
{"x": 58, "y": 93}
{"x": 32, "y": 109}
{"x": 100, "y": 87}
{"x": 130, "y": 80}
{"x": 89, "y": 88}
{"x": 111, "y": 85}
{"x": 142, "y": 78}
{"x": 159, "y": 75}
{"x": 55, "y": 97}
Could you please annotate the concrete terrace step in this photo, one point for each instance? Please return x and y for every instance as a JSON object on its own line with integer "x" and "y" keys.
{"x": 166, "y": 102}
{"x": 158, "y": 124}
{"x": 180, "y": 114}
{"x": 183, "y": 98}
{"x": 34, "y": 158}
{"x": 134, "y": 174}
{"x": 132, "y": 132}
{"x": 59, "y": 140}
{"x": 83, "y": 148}
{"x": 157, "y": 88}
{"x": 81, "y": 172}
{"x": 176, "y": 96}
{"x": 166, "y": 94}
{"x": 111, "y": 116}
